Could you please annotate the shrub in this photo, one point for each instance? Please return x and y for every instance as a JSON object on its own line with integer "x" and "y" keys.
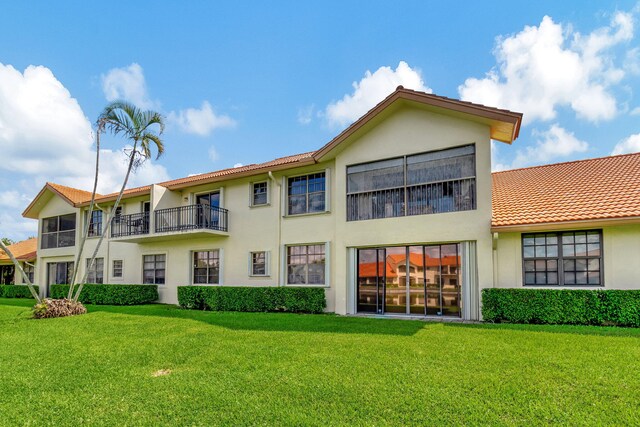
{"x": 562, "y": 306}
{"x": 236, "y": 298}
{"x": 50, "y": 308}
{"x": 111, "y": 294}
{"x": 16, "y": 291}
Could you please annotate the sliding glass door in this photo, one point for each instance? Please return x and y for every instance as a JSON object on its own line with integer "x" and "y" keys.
{"x": 418, "y": 280}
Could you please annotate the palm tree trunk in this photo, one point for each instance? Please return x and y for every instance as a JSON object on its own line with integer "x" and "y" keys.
{"x": 109, "y": 217}
{"x": 21, "y": 270}
{"x": 85, "y": 232}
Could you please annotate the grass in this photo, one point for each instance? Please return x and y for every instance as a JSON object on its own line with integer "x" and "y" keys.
{"x": 160, "y": 365}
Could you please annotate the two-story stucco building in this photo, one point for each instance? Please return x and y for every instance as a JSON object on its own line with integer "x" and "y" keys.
{"x": 392, "y": 216}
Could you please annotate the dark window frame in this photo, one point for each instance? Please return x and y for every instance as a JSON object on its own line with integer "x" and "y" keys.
{"x": 156, "y": 260}
{"x": 293, "y": 182}
{"x": 307, "y": 256}
{"x": 561, "y": 258}
{"x": 46, "y": 235}
{"x": 213, "y": 257}
{"x": 409, "y": 199}
{"x": 95, "y": 223}
{"x": 95, "y": 275}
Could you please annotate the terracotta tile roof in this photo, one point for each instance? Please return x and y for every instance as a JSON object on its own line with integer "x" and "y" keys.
{"x": 594, "y": 189}
{"x": 23, "y": 251}
{"x": 72, "y": 194}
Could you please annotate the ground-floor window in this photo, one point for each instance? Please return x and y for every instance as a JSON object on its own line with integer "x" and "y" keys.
{"x": 7, "y": 273}
{"x": 258, "y": 263}
{"x": 206, "y": 267}
{"x": 153, "y": 270}
{"x": 421, "y": 280}
{"x": 29, "y": 270}
{"x": 567, "y": 258}
{"x": 95, "y": 274}
{"x": 117, "y": 269}
{"x": 306, "y": 265}
{"x": 59, "y": 273}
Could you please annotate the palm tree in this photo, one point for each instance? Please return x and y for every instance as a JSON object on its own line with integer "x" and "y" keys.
{"x": 21, "y": 270}
{"x": 139, "y": 127}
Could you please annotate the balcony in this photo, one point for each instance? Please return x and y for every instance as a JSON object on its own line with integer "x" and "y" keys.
{"x": 171, "y": 223}
{"x": 130, "y": 225}
{"x": 198, "y": 218}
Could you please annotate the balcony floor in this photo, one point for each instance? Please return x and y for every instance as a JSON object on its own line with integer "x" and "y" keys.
{"x": 171, "y": 235}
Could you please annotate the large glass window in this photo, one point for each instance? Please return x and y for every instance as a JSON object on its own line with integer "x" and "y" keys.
{"x": 153, "y": 270}
{"x": 206, "y": 267}
{"x": 95, "y": 224}
{"x": 306, "y": 194}
{"x": 433, "y": 182}
{"x": 95, "y": 274}
{"x": 564, "y": 258}
{"x": 424, "y": 280}
{"x": 305, "y": 265}
{"x": 59, "y": 231}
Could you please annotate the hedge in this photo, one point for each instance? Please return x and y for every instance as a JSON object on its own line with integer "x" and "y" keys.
{"x": 562, "y": 306}
{"x": 235, "y": 298}
{"x": 16, "y": 291}
{"x": 111, "y": 294}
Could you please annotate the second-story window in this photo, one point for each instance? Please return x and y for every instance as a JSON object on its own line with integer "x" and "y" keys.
{"x": 95, "y": 226}
{"x": 306, "y": 194}
{"x": 59, "y": 231}
{"x": 259, "y": 194}
{"x": 426, "y": 183}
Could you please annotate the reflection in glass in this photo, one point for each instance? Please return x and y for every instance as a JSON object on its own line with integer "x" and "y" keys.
{"x": 395, "y": 281}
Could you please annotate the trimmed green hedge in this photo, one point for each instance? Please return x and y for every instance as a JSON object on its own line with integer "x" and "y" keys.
{"x": 111, "y": 294}
{"x": 562, "y": 306}
{"x": 16, "y": 291}
{"x": 227, "y": 298}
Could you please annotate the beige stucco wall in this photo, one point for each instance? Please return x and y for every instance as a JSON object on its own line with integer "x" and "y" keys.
{"x": 403, "y": 131}
{"x": 409, "y": 131}
{"x": 621, "y": 252}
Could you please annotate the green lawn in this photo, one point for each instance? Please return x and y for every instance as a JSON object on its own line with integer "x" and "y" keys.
{"x": 287, "y": 369}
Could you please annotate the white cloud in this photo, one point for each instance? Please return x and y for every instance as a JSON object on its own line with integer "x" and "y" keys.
{"x": 200, "y": 121}
{"x": 551, "y": 145}
{"x": 127, "y": 83}
{"x": 305, "y": 114}
{"x": 631, "y": 144}
{"x": 213, "y": 154}
{"x": 549, "y": 66}
{"x": 372, "y": 89}
{"x": 238, "y": 165}
{"x": 45, "y": 136}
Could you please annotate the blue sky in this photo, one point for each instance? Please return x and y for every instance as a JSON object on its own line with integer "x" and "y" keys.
{"x": 247, "y": 82}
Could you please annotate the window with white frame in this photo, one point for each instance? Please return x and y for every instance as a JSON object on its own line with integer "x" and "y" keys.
{"x": 29, "y": 270}
{"x": 116, "y": 271}
{"x": 206, "y": 267}
{"x": 95, "y": 223}
{"x": 259, "y": 263}
{"x": 306, "y": 265}
{"x": 259, "y": 193}
{"x": 306, "y": 194}
{"x": 95, "y": 273}
{"x": 153, "y": 270}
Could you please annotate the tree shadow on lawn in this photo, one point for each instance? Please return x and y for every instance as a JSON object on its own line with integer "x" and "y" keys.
{"x": 604, "y": 331}
{"x": 280, "y": 322}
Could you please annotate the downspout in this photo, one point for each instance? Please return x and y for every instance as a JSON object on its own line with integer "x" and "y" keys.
{"x": 494, "y": 244}
{"x": 278, "y": 249}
